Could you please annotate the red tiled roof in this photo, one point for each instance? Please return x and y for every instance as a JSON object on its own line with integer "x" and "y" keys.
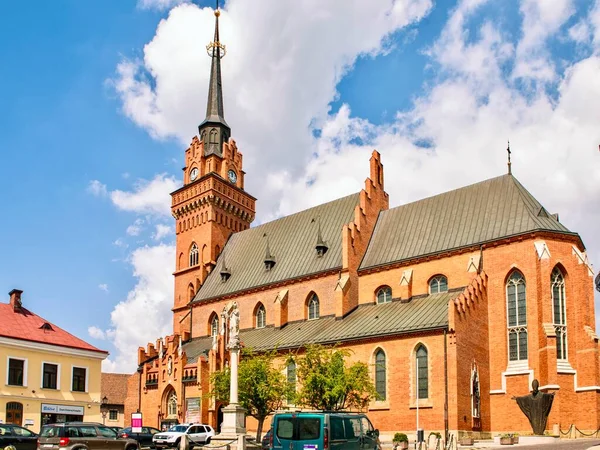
{"x": 27, "y": 326}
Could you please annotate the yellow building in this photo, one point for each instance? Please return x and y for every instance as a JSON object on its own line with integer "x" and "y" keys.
{"x": 47, "y": 375}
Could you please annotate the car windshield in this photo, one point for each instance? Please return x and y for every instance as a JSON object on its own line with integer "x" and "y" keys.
{"x": 179, "y": 428}
{"x": 49, "y": 432}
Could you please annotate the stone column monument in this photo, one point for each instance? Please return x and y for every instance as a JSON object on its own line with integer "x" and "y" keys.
{"x": 232, "y": 428}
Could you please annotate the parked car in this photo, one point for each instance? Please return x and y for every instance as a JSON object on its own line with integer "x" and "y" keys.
{"x": 116, "y": 429}
{"x": 266, "y": 440}
{"x": 333, "y": 430}
{"x": 82, "y": 435}
{"x": 196, "y": 432}
{"x": 19, "y": 437}
{"x": 144, "y": 438}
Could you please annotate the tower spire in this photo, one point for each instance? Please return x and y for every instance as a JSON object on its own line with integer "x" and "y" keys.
{"x": 214, "y": 130}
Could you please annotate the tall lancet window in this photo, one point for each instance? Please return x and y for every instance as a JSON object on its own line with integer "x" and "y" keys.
{"x": 559, "y": 309}
{"x": 516, "y": 305}
{"x": 194, "y": 255}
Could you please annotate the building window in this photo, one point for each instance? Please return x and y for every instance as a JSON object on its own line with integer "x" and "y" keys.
{"x": 559, "y": 308}
{"x": 313, "y": 307}
{"x": 261, "y": 317}
{"x": 214, "y": 326}
{"x": 517, "y": 317}
{"x": 194, "y": 255}
{"x": 79, "y": 375}
{"x": 113, "y": 414}
{"x": 438, "y": 284}
{"x": 172, "y": 405}
{"x": 384, "y": 294}
{"x": 380, "y": 381}
{"x": 422, "y": 373}
{"x": 16, "y": 372}
{"x": 291, "y": 380}
{"x": 50, "y": 376}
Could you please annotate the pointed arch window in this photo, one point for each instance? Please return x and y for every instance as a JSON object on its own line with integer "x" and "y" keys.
{"x": 194, "y": 255}
{"x": 384, "y": 294}
{"x": 475, "y": 394}
{"x": 438, "y": 284}
{"x": 213, "y": 136}
{"x": 214, "y": 326}
{"x": 172, "y": 404}
{"x": 380, "y": 372}
{"x": 261, "y": 317}
{"x": 559, "y": 312}
{"x": 313, "y": 307}
{"x": 516, "y": 300}
{"x": 422, "y": 372}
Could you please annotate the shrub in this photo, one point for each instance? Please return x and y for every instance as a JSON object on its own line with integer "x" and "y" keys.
{"x": 400, "y": 437}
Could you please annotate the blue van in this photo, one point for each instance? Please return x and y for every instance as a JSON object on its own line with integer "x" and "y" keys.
{"x": 323, "y": 431}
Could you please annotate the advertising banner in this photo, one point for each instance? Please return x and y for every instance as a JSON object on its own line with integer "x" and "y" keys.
{"x": 192, "y": 410}
{"x": 62, "y": 409}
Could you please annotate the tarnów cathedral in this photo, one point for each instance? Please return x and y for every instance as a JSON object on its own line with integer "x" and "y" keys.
{"x": 457, "y": 301}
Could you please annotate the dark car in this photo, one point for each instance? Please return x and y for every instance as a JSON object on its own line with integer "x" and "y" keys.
{"x": 82, "y": 435}
{"x": 266, "y": 440}
{"x": 19, "y": 437}
{"x": 144, "y": 438}
{"x": 116, "y": 429}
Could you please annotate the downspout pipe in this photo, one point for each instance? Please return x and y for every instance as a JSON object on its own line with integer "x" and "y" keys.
{"x": 445, "y": 386}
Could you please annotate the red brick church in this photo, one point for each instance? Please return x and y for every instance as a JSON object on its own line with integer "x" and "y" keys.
{"x": 456, "y": 301}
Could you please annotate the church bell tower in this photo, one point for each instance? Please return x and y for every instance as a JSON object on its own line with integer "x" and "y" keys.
{"x": 212, "y": 204}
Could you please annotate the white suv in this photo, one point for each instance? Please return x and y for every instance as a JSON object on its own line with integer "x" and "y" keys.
{"x": 196, "y": 432}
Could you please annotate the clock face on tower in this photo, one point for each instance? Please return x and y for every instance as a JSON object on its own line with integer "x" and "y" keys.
{"x": 194, "y": 174}
{"x": 232, "y": 176}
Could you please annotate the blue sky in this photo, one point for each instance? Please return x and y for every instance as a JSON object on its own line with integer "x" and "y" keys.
{"x": 100, "y": 99}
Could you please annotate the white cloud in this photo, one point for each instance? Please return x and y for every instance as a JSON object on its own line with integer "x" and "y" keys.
{"x": 96, "y": 188}
{"x": 103, "y": 287}
{"x": 148, "y": 197}
{"x": 146, "y": 313}
{"x": 120, "y": 243}
{"x": 163, "y": 231}
{"x": 96, "y": 333}
{"x": 161, "y": 5}
{"x": 135, "y": 228}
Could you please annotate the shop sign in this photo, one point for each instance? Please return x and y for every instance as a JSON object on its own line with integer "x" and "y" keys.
{"x": 28, "y": 422}
{"x": 192, "y": 410}
{"x": 136, "y": 422}
{"x": 62, "y": 409}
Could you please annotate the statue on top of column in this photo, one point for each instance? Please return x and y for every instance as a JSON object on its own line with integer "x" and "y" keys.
{"x": 234, "y": 326}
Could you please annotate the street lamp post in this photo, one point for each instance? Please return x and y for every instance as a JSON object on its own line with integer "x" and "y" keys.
{"x": 103, "y": 409}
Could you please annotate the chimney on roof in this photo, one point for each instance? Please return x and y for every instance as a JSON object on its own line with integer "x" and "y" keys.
{"x": 15, "y": 299}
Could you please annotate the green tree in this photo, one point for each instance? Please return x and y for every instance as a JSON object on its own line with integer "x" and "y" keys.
{"x": 262, "y": 387}
{"x": 328, "y": 383}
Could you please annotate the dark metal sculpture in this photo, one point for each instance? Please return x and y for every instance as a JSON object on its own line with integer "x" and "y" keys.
{"x": 598, "y": 282}
{"x": 536, "y": 406}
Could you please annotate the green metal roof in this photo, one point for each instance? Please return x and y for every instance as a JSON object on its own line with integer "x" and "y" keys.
{"x": 292, "y": 240}
{"x": 388, "y": 319}
{"x": 490, "y": 210}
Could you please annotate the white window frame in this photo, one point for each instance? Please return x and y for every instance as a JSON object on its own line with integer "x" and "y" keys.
{"x": 87, "y": 377}
{"x": 517, "y": 364}
{"x": 314, "y": 298}
{"x": 261, "y": 315}
{"x": 560, "y": 325}
{"x": 25, "y": 364}
{"x": 57, "y": 375}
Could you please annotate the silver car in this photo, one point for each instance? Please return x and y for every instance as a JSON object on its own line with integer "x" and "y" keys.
{"x": 198, "y": 434}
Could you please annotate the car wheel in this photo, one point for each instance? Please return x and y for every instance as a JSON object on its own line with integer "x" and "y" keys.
{"x": 207, "y": 441}
{"x": 177, "y": 443}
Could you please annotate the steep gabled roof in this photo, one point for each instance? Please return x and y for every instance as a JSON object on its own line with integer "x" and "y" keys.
{"x": 24, "y": 325}
{"x": 292, "y": 241}
{"x": 493, "y": 209}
